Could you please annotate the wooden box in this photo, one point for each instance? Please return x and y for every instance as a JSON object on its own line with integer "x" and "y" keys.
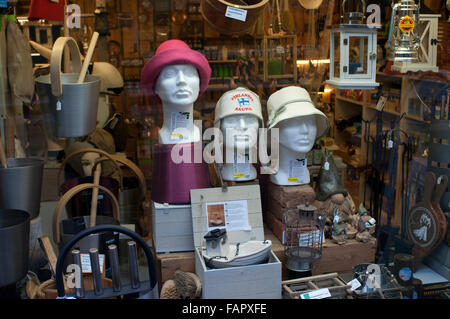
{"x": 172, "y": 228}
{"x": 261, "y": 281}
{"x": 249, "y": 282}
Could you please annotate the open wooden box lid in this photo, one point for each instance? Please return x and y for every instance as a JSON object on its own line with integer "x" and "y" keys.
{"x": 237, "y": 208}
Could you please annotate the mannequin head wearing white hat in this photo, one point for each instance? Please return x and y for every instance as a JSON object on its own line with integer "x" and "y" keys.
{"x": 238, "y": 115}
{"x": 300, "y": 125}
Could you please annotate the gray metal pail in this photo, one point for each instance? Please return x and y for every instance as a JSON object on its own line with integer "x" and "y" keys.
{"x": 14, "y": 245}
{"x": 21, "y": 185}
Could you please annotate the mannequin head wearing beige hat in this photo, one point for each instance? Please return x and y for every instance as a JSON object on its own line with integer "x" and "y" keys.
{"x": 238, "y": 115}
{"x": 299, "y": 125}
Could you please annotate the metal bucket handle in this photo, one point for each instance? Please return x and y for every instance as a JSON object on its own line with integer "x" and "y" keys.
{"x": 88, "y": 150}
{"x": 136, "y": 170}
{"x": 68, "y": 195}
{"x": 56, "y": 58}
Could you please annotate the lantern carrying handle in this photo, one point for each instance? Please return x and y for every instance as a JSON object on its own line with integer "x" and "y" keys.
{"x": 363, "y": 7}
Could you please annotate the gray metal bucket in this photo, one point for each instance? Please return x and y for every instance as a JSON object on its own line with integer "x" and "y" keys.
{"x": 69, "y": 107}
{"x": 14, "y": 245}
{"x": 77, "y": 114}
{"x": 21, "y": 184}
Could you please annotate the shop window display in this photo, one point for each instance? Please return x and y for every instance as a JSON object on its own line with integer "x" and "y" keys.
{"x": 280, "y": 108}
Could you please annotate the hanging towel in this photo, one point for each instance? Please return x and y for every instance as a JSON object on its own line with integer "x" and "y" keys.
{"x": 46, "y": 9}
{"x": 20, "y": 65}
{"x": 3, "y": 67}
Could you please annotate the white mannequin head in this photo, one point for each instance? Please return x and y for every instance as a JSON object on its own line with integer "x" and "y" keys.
{"x": 243, "y": 129}
{"x": 298, "y": 134}
{"x": 178, "y": 84}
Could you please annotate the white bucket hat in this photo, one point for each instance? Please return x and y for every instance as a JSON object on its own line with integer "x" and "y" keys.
{"x": 291, "y": 102}
{"x": 237, "y": 102}
{"x": 310, "y": 4}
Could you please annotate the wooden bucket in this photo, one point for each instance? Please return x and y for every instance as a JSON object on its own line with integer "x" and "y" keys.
{"x": 213, "y": 11}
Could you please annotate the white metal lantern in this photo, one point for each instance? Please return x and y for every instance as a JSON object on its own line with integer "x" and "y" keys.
{"x": 427, "y": 52}
{"x": 404, "y": 31}
{"x": 353, "y": 53}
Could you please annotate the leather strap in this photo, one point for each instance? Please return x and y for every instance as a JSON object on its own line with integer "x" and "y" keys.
{"x": 136, "y": 170}
{"x": 87, "y": 150}
{"x": 68, "y": 195}
{"x": 56, "y": 58}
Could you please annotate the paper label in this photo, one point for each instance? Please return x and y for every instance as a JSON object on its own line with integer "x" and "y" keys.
{"x": 236, "y": 13}
{"x": 355, "y": 284}
{"x": 86, "y": 263}
{"x": 317, "y": 294}
{"x": 280, "y": 49}
{"x": 406, "y": 24}
{"x": 326, "y": 166}
{"x": 309, "y": 238}
{"x": 390, "y": 144}
{"x": 298, "y": 171}
{"x": 381, "y": 103}
{"x": 179, "y": 126}
{"x": 241, "y": 165}
{"x": 232, "y": 215}
{"x": 58, "y": 106}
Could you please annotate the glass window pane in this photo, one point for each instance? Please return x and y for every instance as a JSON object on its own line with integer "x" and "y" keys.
{"x": 358, "y": 55}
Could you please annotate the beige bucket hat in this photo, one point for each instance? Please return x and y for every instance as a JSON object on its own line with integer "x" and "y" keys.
{"x": 237, "y": 102}
{"x": 310, "y": 4}
{"x": 291, "y": 102}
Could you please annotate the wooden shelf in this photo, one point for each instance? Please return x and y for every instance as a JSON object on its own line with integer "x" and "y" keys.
{"x": 350, "y": 100}
{"x": 415, "y": 118}
{"x": 374, "y": 107}
{"x": 222, "y": 61}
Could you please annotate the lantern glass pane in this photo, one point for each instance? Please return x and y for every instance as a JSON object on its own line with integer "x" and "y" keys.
{"x": 337, "y": 54}
{"x": 358, "y": 55}
{"x": 424, "y": 41}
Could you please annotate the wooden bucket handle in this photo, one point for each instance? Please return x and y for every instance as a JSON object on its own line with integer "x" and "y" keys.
{"x": 87, "y": 150}
{"x": 68, "y": 195}
{"x": 55, "y": 62}
{"x": 136, "y": 170}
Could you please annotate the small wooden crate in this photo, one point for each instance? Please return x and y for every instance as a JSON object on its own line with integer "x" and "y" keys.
{"x": 246, "y": 282}
{"x": 261, "y": 281}
{"x": 172, "y": 228}
{"x": 338, "y": 289}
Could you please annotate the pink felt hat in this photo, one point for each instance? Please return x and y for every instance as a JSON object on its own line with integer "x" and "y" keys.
{"x": 173, "y": 52}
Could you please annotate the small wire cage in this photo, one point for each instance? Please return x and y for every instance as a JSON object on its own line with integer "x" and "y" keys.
{"x": 303, "y": 237}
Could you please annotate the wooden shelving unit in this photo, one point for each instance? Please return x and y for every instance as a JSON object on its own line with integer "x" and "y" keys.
{"x": 347, "y": 107}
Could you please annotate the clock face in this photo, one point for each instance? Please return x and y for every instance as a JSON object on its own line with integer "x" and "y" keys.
{"x": 421, "y": 227}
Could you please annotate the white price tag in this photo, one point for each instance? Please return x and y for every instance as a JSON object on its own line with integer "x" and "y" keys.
{"x": 241, "y": 165}
{"x": 58, "y": 106}
{"x": 86, "y": 263}
{"x": 280, "y": 49}
{"x": 326, "y": 166}
{"x": 236, "y": 13}
{"x": 298, "y": 171}
{"x": 355, "y": 284}
{"x": 317, "y": 294}
{"x": 179, "y": 126}
{"x": 381, "y": 103}
{"x": 390, "y": 144}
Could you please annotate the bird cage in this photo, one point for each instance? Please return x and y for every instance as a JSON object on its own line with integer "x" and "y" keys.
{"x": 303, "y": 237}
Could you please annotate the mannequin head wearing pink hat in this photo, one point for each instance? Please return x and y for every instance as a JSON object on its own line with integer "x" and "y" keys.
{"x": 174, "y": 57}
